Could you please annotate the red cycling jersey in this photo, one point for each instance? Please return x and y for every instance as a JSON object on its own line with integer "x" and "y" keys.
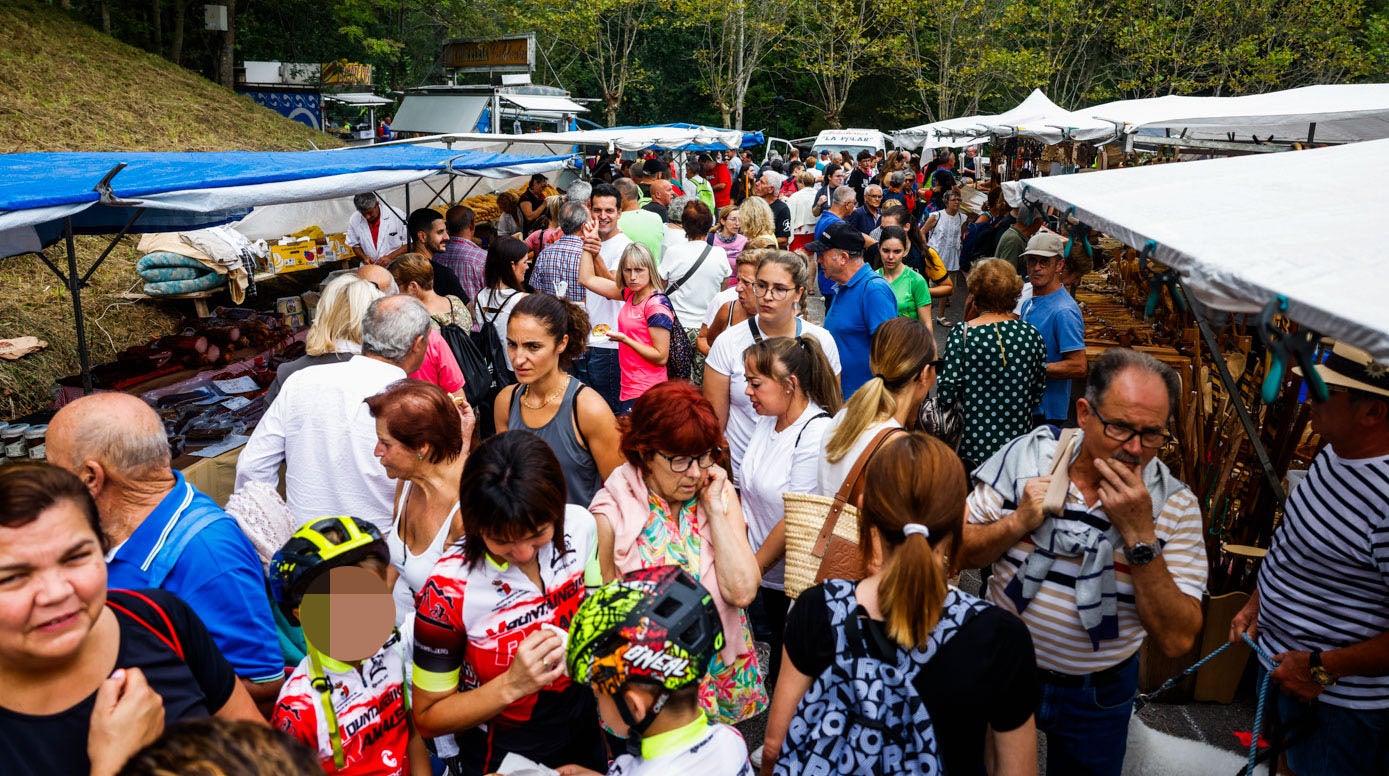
{"x": 370, "y": 705}
{"x": 470, "y": 620}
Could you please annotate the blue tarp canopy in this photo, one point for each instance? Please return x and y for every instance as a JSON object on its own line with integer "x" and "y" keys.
{"x": 100, "y": 192}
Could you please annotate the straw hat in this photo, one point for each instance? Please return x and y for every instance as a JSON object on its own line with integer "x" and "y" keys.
{"x": 1351, "y": 367}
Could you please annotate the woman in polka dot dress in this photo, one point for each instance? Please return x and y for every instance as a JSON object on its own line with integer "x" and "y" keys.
{"x": 995, "y": 365}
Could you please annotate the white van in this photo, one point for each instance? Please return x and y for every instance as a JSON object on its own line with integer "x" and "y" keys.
{"x": 832, "y": 140}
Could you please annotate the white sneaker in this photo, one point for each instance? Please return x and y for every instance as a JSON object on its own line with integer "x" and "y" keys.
{"x": 755, "y": 757}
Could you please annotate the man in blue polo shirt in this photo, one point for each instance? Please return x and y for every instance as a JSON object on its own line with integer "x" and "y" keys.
{"x": 163, "y": 533}
{"x": 863, "y": 301}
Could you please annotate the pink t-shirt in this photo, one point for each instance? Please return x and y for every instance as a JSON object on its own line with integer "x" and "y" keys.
{"x": 636, "y": 320}
{"x": 439, "y": 367}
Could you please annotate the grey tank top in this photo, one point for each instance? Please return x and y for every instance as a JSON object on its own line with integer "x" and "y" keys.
{"x": 581, "y": 478}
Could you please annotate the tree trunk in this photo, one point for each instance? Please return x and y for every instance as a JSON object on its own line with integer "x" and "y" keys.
{"x": 157, "y": 22}
{"x": 727, "y": 117}
{"x": 105, "y": 17}
{"x": 228, "y": 58}
{"x": 176, "y": 47}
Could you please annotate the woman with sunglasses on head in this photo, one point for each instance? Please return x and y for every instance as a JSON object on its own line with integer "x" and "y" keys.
{"x": 671, "y": 504}
{"x": 782, "y": 281}
{"x": 646, "y": 321}
{"x": 734, "y": 304}
{"x": 945, "y": 233}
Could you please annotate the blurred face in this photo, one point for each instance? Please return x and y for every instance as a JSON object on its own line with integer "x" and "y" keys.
{"x": 397, "y": 459}
{"x": 605, "y": 213}
{"x": 892, "y": 252}
{"x": 537, "y": 187}
{"x": 372, "y": 214}
{"x": 1044, "y": 271}
{"x": 762, "y": 187}
{"x": 768, "y": 395}
{"x": 836, "y": 177}
{"x": 1136, "y": 401}
{"x": 731, "y": 224}
{"x": 520, "y": 551}
{"x": 52, "y": 587}
{"x": 533, "y": 352}
{"x": 636, "y": 276}
{"x": 865, "y": 165}
{"x": 776, "y": 293}
{"x": 952, "y": 204}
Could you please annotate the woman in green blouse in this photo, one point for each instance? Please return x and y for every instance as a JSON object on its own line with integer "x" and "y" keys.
{"x": 911, "y": 289}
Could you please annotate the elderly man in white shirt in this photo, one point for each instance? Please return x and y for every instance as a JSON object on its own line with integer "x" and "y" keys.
{"x": 375, "y": 233}
{"x": 321, "y": 429}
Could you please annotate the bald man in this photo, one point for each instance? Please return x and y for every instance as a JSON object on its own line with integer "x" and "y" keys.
{"x": 166, "y": 534}
{"x": 378, "y": 276}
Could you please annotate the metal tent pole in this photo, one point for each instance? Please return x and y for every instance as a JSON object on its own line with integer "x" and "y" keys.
{"x": 74, "y": 284}
{"x": 1245, "y": 419}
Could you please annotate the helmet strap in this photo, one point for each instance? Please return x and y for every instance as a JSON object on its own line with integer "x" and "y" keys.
{"x": 635, "y": 729}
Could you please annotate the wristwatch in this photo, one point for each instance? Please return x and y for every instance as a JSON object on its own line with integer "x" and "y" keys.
{"x": 1318, "y": 671}
{"x": 1141, "y": 554}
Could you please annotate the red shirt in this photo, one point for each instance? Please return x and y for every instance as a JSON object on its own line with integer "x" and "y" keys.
{"x": 722, "y": 196}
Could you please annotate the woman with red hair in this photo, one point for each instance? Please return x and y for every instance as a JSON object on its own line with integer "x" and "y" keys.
{"x": 671, "y": 504}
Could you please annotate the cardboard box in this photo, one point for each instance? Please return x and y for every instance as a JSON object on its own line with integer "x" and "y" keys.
{"x": 294, "y": 257}
{"x": 289, "y": 305}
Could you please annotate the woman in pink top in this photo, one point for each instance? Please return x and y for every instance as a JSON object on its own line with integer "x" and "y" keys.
{"x": 645, "y": 322}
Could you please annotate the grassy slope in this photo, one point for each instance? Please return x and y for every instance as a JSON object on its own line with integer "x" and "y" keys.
{"x": 66, "y": 87}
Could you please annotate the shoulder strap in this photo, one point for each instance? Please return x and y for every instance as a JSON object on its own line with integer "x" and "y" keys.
{"x": 690, "y": 272}
{"x": 320, "y": 682}
{"x": 574, "y": 410}
{"x": 752, "y": 326}
{"x": 851, "y": 490}
{"x": 822, "y": 414}
{"x": 169, "y": 637}
{"x": 200, "y": 513}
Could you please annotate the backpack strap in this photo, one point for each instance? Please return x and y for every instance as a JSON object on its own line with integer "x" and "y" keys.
{"x": 168, "y": 636}
{"x": 752, "y": 327}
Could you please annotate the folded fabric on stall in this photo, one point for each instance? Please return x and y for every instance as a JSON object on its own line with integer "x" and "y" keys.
{"x": 220, "y": 249}
{"x": 166, "y": 274}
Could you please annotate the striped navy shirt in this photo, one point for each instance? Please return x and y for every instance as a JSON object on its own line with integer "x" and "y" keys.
{"x": 1325, "y": 582}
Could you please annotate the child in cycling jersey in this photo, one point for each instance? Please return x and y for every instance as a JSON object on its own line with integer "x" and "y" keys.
{"x": 642, "y": 642}
{"x": 353, "y": 712}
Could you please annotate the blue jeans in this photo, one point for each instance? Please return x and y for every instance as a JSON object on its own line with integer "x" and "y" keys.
{"x": 1330, "y": 740}
{"x": 600, "y": 371}
{"x": 1087, "y": 727}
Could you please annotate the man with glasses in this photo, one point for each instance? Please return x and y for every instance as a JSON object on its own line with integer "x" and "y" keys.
{"x": 868, "y": 216}
{"x": 1054, "y": 314}
{"x": 863, "y": 300}
{"x": 1112, "y": 555}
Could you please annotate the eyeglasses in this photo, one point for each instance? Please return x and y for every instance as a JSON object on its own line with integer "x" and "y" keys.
{"x": 771, "y": 293}
{"x": 682, "y": 463}
{"x": 1153, "y": 439}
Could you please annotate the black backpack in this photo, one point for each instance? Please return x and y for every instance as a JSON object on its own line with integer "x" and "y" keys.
{"x": 494, "y": 373}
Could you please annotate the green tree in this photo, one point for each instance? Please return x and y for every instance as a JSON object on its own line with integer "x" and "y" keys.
{"x": 834, "y": 42}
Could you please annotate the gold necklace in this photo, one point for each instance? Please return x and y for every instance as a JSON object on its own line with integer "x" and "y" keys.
{"x": 558, "y": 393}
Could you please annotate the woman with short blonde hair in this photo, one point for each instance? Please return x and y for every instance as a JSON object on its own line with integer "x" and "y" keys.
{"x": 336, "y": 332}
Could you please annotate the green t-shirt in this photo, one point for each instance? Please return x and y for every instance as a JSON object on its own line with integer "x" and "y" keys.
{"x": 644, "y": 227}
{"x": 1011, "y": 244}
{"x": 912, "y": 291}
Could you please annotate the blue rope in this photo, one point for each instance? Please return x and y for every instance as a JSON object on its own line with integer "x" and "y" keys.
{"x": 1143, "y": 698}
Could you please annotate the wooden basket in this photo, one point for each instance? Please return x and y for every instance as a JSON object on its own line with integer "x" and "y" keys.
{"x": 805, "y": 514}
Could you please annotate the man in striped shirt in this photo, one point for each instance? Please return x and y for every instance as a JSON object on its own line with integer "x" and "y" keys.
{"x": 1321, "y": 608}
{"x": 1124, "y": 559}
{"x": 557, "y": 267}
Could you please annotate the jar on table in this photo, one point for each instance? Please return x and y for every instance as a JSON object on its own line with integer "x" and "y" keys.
{"x": 12, "y": 439}
{"x": 35, "y": 439}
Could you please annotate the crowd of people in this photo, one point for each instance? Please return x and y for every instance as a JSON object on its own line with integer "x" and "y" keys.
{"x": 577, "y": 571}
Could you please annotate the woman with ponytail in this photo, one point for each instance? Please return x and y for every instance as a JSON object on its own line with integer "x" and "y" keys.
{"x": 903, "y": 363}
{"x": 981, "y": 675}
{"x": 794, "y": 391}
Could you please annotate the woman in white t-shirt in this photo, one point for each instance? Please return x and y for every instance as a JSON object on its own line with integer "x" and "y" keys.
{"x": 694, "y": 271}
{"x": 795, "y": 392}
{"x": 503, "y": 275}
{"x": 903, "y": 362}
{"x": 782, "y": 281}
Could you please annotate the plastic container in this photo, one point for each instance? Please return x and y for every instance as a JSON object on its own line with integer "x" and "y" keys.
{"x": 12, "y": 439}
{"x": 35, "y": 438}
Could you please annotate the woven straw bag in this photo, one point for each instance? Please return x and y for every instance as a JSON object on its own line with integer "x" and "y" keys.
{"x": 822, "y": 533}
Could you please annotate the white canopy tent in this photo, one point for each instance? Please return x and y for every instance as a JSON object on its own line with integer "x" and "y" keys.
{"x": 1036, "y": 115}
{"x": 1228, "y": 228}
{"x": 613, "y": 139}
{"x": 1332, "y": 113}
